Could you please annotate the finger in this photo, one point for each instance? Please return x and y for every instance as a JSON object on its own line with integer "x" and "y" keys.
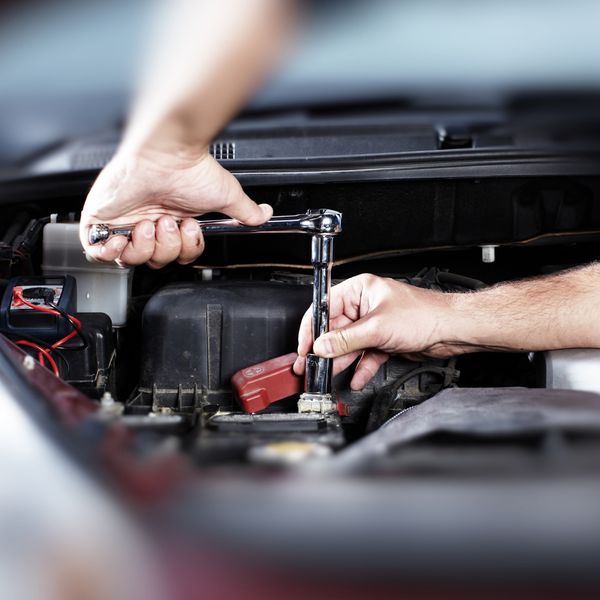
{"x": 168, "y": 243}
{"x": 84, "y": 233}
{"x": 339, "y": 322}
{"x": 344, "y": 306}
{"x": 360, "y": 335}
{"x": 343, "y": 362}
{"x": 345, "y": 297}
{"x": 239, "y": 206}
{"x": 339, "y": 295}
{"x": 109, "y": 251}
{"x": 305, "y": 341}
{"x": 305, "y": 338}
{"x": 192, "y": 241}
{"x": 339, "y": 364}
{"x": 141, "y": 247}
{"x": 299, "y": 365}
{"x": 367, "y": 368}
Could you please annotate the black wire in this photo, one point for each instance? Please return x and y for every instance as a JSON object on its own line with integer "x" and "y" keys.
{"x": 42, "y": 343}
{"x": 76, "y": 327}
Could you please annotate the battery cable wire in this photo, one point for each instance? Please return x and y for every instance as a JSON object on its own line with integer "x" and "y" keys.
{"x": 44, "y": 354}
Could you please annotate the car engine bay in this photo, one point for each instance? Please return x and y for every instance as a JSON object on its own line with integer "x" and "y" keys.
{"x": 158, "y": 349}
{"x": 175, "y": 388}
{"x": 156, "y": 437}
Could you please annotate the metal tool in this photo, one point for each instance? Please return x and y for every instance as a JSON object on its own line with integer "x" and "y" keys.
{"x": 318, "y": 222}
{"x": 323, "y": 224}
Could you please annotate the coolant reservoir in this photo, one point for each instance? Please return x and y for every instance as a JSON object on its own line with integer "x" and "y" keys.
{"x": 573, "y": 369}
{"x": 101, "y": 287}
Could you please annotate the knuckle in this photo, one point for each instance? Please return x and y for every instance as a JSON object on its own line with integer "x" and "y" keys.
{"x": 341, "y": 341}
{"x": 373, "y": 328}
{"x": 391, "y": 284}
{"x": 170, "y": 248}
{"x": 137, "y": 256}
{"x": 368, "y": 280}
{"x": 170, "y": 244}
{"x": 172, "y": 238}
{"x": 163, "y": 255}
{"x": 369, "y": 370}
{"x": 187, "y": 257}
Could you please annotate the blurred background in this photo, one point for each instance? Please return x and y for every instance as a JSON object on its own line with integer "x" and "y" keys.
{"x": 69, "y": 67}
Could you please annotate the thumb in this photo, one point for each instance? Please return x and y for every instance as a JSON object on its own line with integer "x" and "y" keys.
{"x": 240, "y": 207}
{"x": 355, "y": 337}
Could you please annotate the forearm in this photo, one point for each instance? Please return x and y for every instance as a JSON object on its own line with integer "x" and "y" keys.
{"x": 557, "y": 311}
{"x": 207, "y": 58}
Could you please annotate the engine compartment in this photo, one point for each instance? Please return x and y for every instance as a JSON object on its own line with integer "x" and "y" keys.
{"x": 163, "y": 366}
{"x": 478, "y": 468}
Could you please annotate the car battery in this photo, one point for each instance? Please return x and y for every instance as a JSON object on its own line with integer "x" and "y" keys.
{"x": 17, "y": 317}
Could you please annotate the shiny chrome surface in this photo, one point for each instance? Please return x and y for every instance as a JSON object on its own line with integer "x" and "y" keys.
{"x": 317, "y": 377}
{"x": 318, "y": 370}
{"x": 321, "y": 221}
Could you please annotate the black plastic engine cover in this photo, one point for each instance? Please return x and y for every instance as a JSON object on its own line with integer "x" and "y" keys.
{"x": 90, "y": 369}
{"x": 195, "y": 336}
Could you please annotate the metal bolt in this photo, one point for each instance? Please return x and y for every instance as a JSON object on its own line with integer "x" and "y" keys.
{"x": 107, "y": 399}
{"x": 109, "y": 407}
{"x": 488, "y": 253}
{"x": 29, "y": 362}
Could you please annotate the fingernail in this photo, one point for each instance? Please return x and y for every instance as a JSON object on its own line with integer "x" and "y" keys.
{"x": 170, "y": 224}
{"x": 356, "y": 385}
{"x": 267, "y": 210}
{"x": 190, "y": 229}
{"x": 148, "y": 230}
{"x": 324, "y": 347}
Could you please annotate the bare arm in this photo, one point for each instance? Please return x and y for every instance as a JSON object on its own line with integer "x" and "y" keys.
{"x": 544, "y": 313}
{"x": 382, "y": 316}
{"x": 209, "y": 56}
{"x": 207, "y": 59}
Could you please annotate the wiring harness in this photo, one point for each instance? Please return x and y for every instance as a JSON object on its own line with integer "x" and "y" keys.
{"x": 44, "y": 350}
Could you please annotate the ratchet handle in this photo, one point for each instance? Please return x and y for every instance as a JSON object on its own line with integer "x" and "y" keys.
{"x": 314, "y": 222}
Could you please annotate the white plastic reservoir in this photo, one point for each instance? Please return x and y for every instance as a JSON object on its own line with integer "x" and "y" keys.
{"x": 101, "y": 287}
{"x": 573, "y": 369}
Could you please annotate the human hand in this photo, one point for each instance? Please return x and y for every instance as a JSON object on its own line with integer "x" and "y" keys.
{"x": 154, "y": 188}
{"x": 377, "y": 317}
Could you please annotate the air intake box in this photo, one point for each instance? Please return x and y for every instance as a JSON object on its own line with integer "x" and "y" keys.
{"x": 195, "y": 336}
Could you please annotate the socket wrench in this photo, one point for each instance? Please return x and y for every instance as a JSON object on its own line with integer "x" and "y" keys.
{"x": 323, "y": 225}
{"x": 316, "y": 222}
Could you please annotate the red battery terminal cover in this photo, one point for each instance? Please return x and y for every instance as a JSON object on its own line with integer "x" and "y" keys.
{"x": 258, "y": 386}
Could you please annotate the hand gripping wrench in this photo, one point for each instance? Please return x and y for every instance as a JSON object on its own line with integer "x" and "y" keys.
{"x": 323, "y": 224}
